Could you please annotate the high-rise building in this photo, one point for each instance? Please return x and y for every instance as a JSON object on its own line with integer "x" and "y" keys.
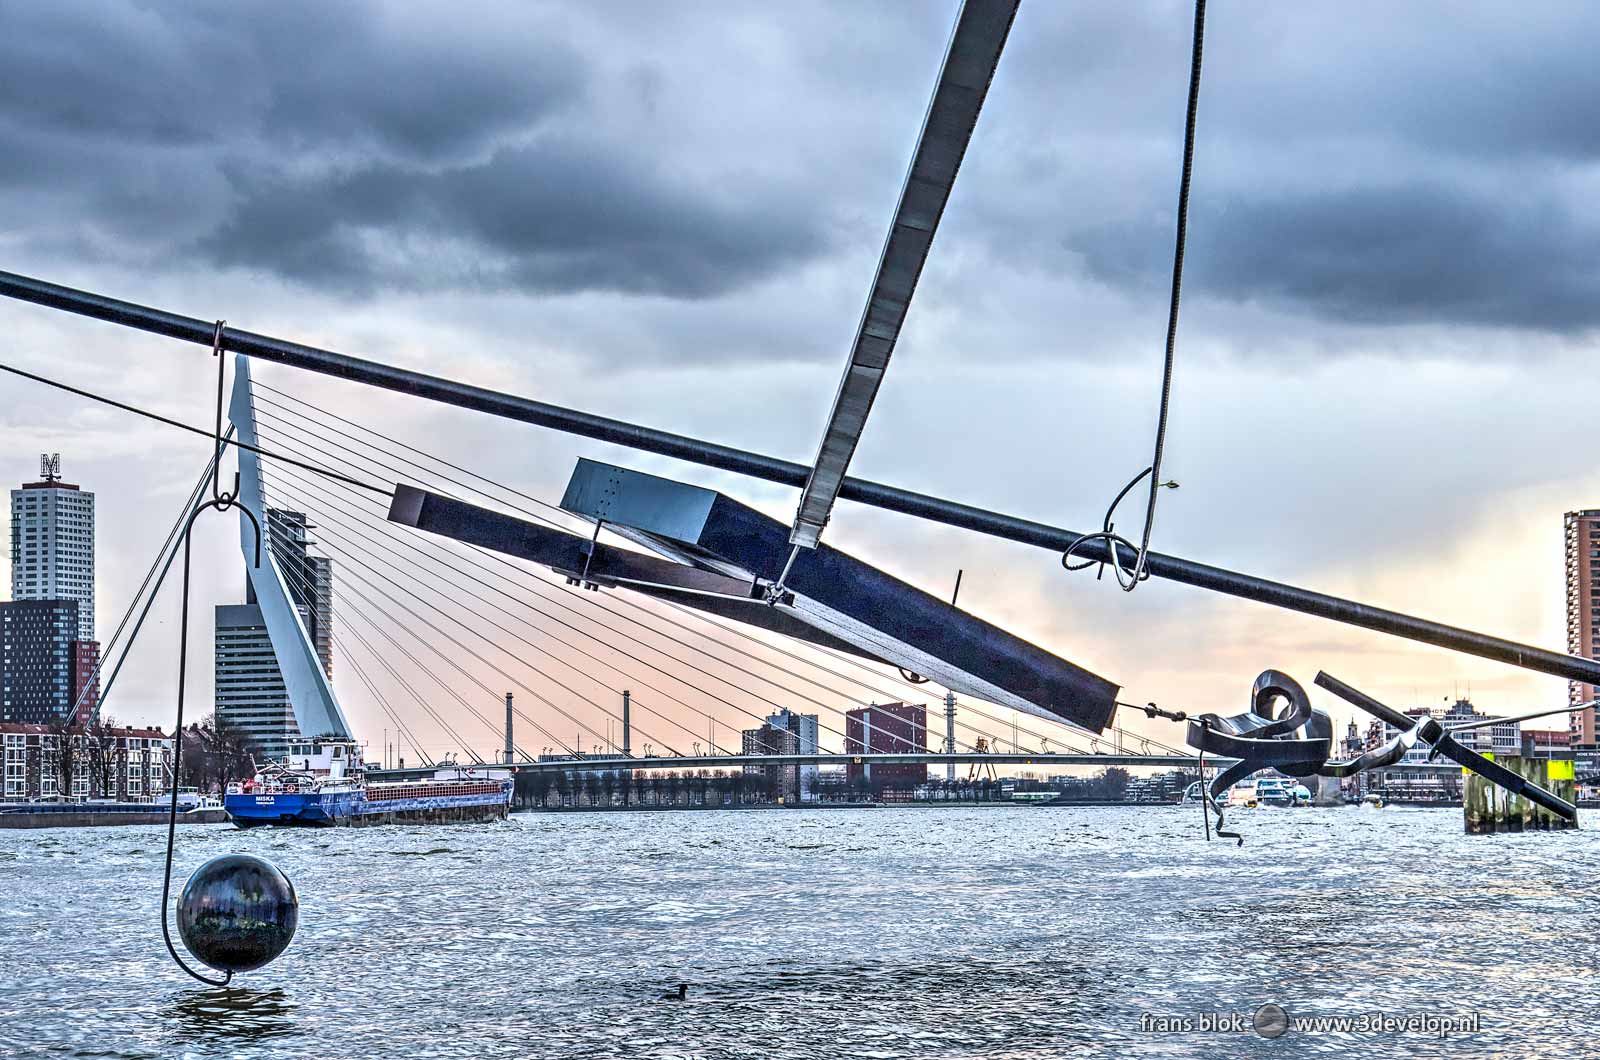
{"x": 309, "y": 578}
{"x": 804, "y": 727}
{"x": 52, "y": 543}
{"x": 780, "y": 780}
{"x": 38, "y": 682}
{"x": 250, "y": 693}
{"x": 1583, "y": 611}
{"x": 887, "y": 728}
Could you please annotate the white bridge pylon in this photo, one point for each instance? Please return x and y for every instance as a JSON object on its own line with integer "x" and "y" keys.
{"x": 316, "y": 709}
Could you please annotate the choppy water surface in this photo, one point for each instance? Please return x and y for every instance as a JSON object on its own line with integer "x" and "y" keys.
{"x": 993, "y": 932}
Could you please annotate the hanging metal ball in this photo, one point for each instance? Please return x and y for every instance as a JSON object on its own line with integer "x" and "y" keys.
{"x": 237, "y": 912}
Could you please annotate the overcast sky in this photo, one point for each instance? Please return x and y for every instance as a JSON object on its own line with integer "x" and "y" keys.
{"x": 671, "y": 214}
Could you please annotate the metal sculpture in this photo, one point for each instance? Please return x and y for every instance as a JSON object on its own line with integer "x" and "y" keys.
{"x": 719, "y": 556}
{"x": 1297, "y": 740}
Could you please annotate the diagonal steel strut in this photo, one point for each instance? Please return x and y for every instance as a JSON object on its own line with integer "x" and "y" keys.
{"x": 969, "y": 65}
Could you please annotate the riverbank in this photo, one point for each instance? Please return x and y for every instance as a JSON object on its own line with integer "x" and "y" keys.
{"x": 100, "y": 819}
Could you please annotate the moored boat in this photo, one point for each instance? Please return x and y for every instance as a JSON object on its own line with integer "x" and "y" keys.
{"x": 323, "y": 782}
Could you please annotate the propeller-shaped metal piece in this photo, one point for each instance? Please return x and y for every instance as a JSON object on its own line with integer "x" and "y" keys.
{"x": 1297, "y": 740}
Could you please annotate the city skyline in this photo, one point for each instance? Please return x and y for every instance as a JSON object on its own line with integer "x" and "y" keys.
{"x": 1027, "y": 366}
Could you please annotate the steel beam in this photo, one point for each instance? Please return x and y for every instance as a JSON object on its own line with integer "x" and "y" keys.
{"x": 1001, "y": 758}
{"x": 788, "y": 473}
{"x": 823, "y": 758}
{"x": 969, "y": 65}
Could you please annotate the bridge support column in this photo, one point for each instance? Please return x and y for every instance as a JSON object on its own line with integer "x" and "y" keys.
{"x": 510, "y": 749}
{"x": 950, "y": 724}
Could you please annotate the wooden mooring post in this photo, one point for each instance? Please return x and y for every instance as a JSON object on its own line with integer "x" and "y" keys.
{"x": 1488, "y": 808}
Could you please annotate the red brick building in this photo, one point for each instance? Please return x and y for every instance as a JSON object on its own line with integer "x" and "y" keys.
{"x": 1583, "y": 611}
{"x": 85, "y": 663}
{"x": 887, "y": 728}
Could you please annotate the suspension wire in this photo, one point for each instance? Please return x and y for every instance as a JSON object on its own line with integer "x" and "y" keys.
{"x": 367, "y": 459}
{"x": 1072, "y": 730}
{"x": 1129, "y": 580}
{"x": 460, "y": 741}
{"x": 925, "y": 728}
{"x": 856, "y": 681}
{"x": 163, "y": 561}
{"x": 442, "y": 684}
{"x": 297, "y": 571}
{"x": 390, "y": 555}
{"x": 375, "y": 570}
{"x": 449, "y": 730}
{"x": 390, "y": 549}
{"x": 580, "y": 724}
{"x": 653, "y": 738}
{"x": 157, "y": 417}
{"x": 382, "y": 701}
{"x": 723, "y": 680}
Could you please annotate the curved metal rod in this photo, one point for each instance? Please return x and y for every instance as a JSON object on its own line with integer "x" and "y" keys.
{"x": 220, "y": 505}
{"x": 223, "y": 503}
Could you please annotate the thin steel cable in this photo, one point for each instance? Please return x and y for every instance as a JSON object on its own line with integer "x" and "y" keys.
{"x": 170, "y": 422}
{"x": 719, "y": 678}
{"x": 391, "y": 555}
{"x": 503, "y": 673}
{"x": 380, "y": 572}
{"x": 465, "y": 746}
{"x": 1073, "y": 732}
{"x": 925, "y": 729}
{"x": 767, "y": 680}
{"x": 449, "y": 730}
{"x": 164, "y": 558}
{"x": 1129, "y": 580}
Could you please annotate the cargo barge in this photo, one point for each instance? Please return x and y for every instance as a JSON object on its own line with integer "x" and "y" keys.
{"x": 323, "y": 783}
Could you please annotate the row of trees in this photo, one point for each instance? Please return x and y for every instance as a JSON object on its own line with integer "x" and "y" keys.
{"x": 719, "y": 788}
{"x": 703, "y": 788}
{"x": 213, "y": 755}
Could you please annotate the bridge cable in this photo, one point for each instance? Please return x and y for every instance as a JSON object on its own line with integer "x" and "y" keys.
{"x": 392, "y": 556}
{"x": 622, "y": 600}
{"x": 1129, "y": 580}
{"x": 633, "y": 606}
{"x": 442, "y": 684}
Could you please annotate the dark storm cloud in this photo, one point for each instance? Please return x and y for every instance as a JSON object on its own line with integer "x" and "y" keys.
{"x": 556, "y": 216}
{"x": 355, "y": 148}
{"x": 1365, "y": 164}
{"x": 1405, "y": 253}
{"x": 293, "y": 75}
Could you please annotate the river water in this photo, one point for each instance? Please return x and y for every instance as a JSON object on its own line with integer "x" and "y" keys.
{"x": 979, "y": 932}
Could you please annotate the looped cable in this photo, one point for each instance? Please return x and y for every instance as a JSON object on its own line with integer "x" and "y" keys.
{"x": 222, "y": 502}
{"x": 1129, "y": 578}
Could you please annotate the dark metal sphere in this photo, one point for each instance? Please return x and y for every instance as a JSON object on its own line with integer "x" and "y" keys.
{"x": 237, "y": 912}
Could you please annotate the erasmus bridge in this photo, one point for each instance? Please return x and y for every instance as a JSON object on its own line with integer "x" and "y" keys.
{"x": 455, "y": 589}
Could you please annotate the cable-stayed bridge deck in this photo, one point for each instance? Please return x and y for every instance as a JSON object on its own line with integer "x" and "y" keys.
{"x": 823, "y": 758}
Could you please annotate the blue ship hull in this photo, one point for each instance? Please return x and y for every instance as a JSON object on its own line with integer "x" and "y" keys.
{"x": 355, "y": 808}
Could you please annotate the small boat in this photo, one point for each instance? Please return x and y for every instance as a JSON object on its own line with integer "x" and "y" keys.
{"x": 1281, "y": 791}
{"x": 1372, "y": 802}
